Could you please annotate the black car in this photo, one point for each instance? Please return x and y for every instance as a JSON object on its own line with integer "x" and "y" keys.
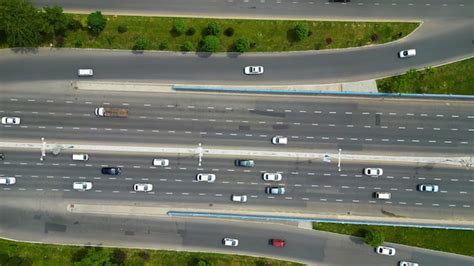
{"x": 2, "y": 156}
{"x": 111, "y": 170}
{"x": 245, "y": 163}
{"x": 340, "y": 1}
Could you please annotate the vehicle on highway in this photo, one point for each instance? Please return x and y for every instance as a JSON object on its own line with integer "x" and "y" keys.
{"x": 279, "y": 243}
{"x": 111, "y": 170}
{"x": 161, "y": 162}
{"x": 10, "y": 120}
{"x": 428, "y": 188}
{"x": 239, "y": 198}
{"x": 384, "y": 250}
{"x": 230, "y": 242}
{"x": 143, "y": 187}
{"x": 382, "y": 195}
{"x": 85, "y": 72}
{"x": 275, "y": 190}
{"x": 245, "y": 163}
{"x": 373, "y": 171}
{"x": 7, "y": 180}
{"x": 253, "y": 70}
{"x": 82, "y": 186}
{"x": 407, "y": 263}
{"x": 111, "y": 112}
{"x": 279, "y": 140}
{"x": 272, "y": 176}
{"x": 407, "y": 53}
{"x": 80, "y": 157}
{"x": 206, "y": 177}
{"x": 2, "y": 156}
{"x": 340, "y": 1}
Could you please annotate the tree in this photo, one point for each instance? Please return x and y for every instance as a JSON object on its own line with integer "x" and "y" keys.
{"x": 187, "y": 46}
{"x": 210, "y": 43}
{"x": 141, "y": 43}
{"x": 301, "y": 30}
{"x": 122, "y": 28}
{"x": 229, "y": 32}
{"x": 373, "y": 237}
{"x": 164, "y": 45}
{"x": 56, "y": 20}
{"x": 96, "y": 22}
{"x": 242, "y": 45}
{"x": 95, "y": 256}
{"x": 180, "y": 26}
{"x": 213, "y": 28}
{"x": 20, "y": 22}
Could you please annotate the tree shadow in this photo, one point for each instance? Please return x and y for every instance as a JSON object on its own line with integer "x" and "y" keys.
{"x": 25, "y": 50}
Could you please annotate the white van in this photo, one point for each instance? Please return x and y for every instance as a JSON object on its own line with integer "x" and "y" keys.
{"x": 80, "y": 157}
{"x": 85, "y": 72}
{"x": 383, "y": 195}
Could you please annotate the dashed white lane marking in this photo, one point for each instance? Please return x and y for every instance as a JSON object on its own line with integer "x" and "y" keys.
{"x": 147, "y": 105}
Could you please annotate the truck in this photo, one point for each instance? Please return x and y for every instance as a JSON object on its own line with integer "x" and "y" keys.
{"x": 111, "y": 112}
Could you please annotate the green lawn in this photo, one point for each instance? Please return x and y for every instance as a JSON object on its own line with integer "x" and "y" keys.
{"x": 453, "y": 241}
{"x": 455, "y": 78}
{"x": 266, "y": 35}
{"x": 38, "y": 254}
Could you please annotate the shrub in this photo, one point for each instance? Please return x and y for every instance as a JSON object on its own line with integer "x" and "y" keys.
{"x": 301, "y": 30}
{"x": 122, "y": 28}
{"x": 96, "y": 22}
{"x": 141, "y": 43}
{"x": 373, "y": 237}
{"x": 191, "y": 31}
{"x": 242, "y": 45}
{"x": 187, "y": 46}
{"x": 118, "y": 256}
{"x": 179, "y": 26}
{"x": 60, "y": 40}
{"x": 144, "y": 255}
{"x": 229, "y": 32}
{"x": 165, "y": 44}
{"x": 78, "y": 43}
{"x": 213, "y": 28}
{"x": 210, "y": 43}
{"x": 328, "y": 40}
{"x": 374, "y": 37}
{"x": 74, "y": 24}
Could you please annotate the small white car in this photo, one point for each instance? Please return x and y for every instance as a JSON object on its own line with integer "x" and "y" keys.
{"x": 383, "y": 250}
{"x": 239, "y": 198}
{"x": 10, "y": 120}
{"x": 272, "y": 176}
{"x": 85, "y": 72}
{"x": 373, "y": 171}
{"x": 161, "y": 162}
{"x": 253, "y": 70}
{"x": 407, "y": 263}
{"x": 428, "y": 188}
{"x": 82, "y": 186}
{"x": 279, "y": 140}
{"x": 230, "y": 242}
{"x": 7, "y": 180}
{"x": 206, "y": 177}
{"x": 407, "y": 53}
{"x": 80, "y": 157}
{"x": 143, "y": 187}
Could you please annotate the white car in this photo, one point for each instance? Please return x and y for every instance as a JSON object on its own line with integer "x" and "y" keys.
{"x": 428, "y": 188}
{"x": 7, "y": 180}
{"x": 407, "y": 53}
{"x": 206, "y": 177}
{"x": 272, "y": 176}
{"x": 10, "y": 120}
{"x": 279, "y": 140}
{"x": 85, "y": 72}
{"x": 253, "y": 70}
{"x": 407, "y": 263}
{"x": 239, "y": 198}
{"x": 82, "y": 186}
{"x": 143, "y": 187}
{"x": 161, "y": 162}
{"x": 373, "y": 171}
{"x": 383, "y": 250}
{"x": 230, "y": 242}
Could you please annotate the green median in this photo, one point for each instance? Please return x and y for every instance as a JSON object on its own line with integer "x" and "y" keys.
{"x": 453, "y": 241}
{"x": 19, "y": 253}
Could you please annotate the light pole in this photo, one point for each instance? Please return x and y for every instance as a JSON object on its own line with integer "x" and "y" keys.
{"x": 43, "y": 149}
{"x": 339, "y": 161}
{"x": 199, "y": 150}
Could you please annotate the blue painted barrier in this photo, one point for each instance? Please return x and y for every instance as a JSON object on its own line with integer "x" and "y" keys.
{"x": 328, "y": 93}
{"x": 316, "y": 220}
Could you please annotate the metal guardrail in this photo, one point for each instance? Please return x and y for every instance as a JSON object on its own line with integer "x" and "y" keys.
{"x": 316, "y": 220}
{"x": 316, "y": 92}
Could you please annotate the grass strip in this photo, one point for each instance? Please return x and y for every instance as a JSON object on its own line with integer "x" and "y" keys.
{"x": 453, "y": 241}
{"x": 19, "y": 253}
{"x": 264, "y": 35}
{"x": 455, "y": 78}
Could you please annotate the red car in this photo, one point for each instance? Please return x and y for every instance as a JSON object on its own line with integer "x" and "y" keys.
{"x": 279, "y": 243}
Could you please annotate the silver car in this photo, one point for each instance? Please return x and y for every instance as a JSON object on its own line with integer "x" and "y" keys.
{"x": 206, "y": 178}
{"x": 428, "y": 188}
{"x": 275, "y": 190}
{"x": 272, "y": 176}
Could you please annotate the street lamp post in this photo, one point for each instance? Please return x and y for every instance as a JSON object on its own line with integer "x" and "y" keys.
{"x": 43, "y": 149}
{"x": 199, "y": 150}
{"x": 339, "y": 161}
